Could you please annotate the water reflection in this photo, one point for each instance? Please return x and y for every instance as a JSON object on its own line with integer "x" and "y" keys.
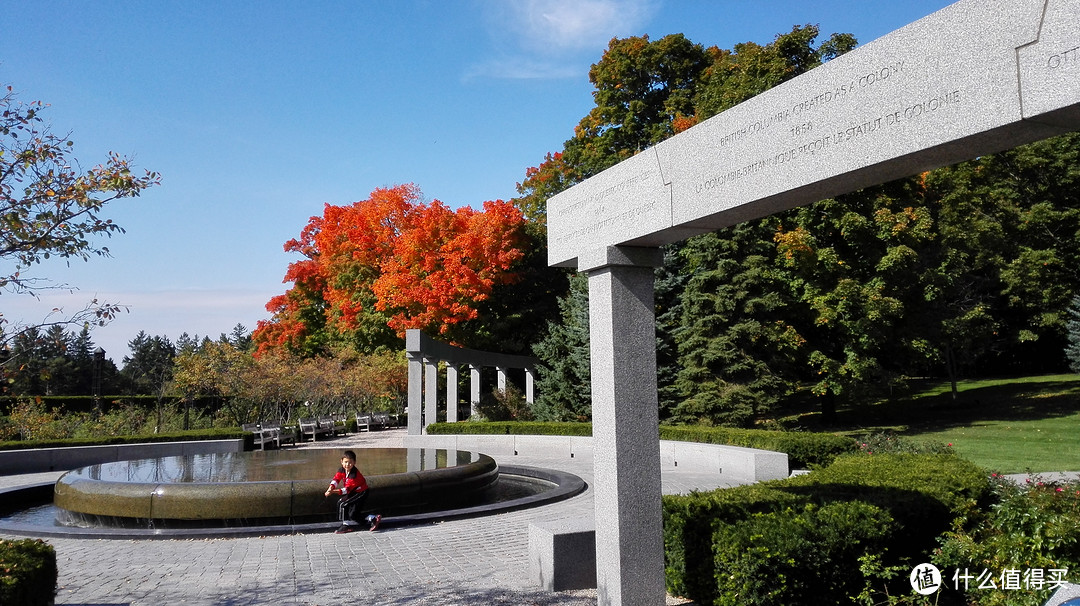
{"x": 270, "y": 466}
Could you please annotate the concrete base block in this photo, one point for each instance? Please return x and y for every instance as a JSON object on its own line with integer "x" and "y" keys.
{"x": 562, "y": 555}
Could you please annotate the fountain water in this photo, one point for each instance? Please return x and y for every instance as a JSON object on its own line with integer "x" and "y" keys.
{"x": 275, "y": 492}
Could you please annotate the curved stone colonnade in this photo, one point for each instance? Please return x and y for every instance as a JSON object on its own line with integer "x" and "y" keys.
{"x": 425, "y": 354}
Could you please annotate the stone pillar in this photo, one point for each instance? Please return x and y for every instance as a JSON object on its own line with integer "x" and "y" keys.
{"x": 500, "y": 378}
{"x": 431, "y": 391}
{"x": 530, "y": 385}
{"x": 416, "y": 390}
{"x": 474, "y": 389}
{"x": 626, "y": 443}
{"x": 451, "y": 392}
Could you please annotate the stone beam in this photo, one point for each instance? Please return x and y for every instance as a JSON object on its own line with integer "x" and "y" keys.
{"x": 977, "y": 77}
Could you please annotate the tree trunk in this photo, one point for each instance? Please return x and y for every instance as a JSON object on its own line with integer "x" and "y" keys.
{"x": 950, "y": 368}
{"x": 828, "y": 407}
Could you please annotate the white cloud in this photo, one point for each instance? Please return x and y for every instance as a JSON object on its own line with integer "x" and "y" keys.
{"x": 579, "y": 24}
{"x": 551, "y": 38}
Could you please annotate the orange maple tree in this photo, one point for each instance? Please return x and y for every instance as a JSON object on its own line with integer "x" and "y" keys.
{"x": 393, "y": 260}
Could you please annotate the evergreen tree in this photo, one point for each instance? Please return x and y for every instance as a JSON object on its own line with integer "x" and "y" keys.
{"x": 671, "y": 278}
{"x": 56, "y": 363}
{"x": 149, "y": 366}
{"x": 564, "y": 382}
{"x": 1073, "y": 350}
{"x": 736, "y": 343}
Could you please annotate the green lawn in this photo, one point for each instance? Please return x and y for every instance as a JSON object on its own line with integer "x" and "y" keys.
{"x": 1006, "y": 425}
{"x": 1016, "y": 446}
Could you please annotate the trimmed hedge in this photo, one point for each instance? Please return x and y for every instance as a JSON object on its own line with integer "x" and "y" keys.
{"x": 804, "y": 449}
{"x": 521, "y": 428}
{"x": 27, "y": 572}
{"x": 180, "y": 436}
{"x": 798, "y": 556}
{"x": 919, "y": 495}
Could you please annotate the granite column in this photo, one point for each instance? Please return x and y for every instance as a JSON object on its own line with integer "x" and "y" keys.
{"x": 626, "y": 443}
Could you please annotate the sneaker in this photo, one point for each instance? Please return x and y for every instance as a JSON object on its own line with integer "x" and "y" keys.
{"x": 344, "y": 529}
{"x": 375, "y": 523}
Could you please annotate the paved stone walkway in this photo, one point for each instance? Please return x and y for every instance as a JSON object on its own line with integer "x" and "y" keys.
{"x": 472, "y": 561}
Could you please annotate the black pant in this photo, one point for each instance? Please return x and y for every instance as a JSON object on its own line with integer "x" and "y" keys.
{"x": 349, "y": 507}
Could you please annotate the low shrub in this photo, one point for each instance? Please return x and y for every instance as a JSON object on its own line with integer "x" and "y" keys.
{"x": 924, "y": 493}
{"x": 798, "y": 556}
{"x": 33, "y": 419}
{"x": 957, "y": 484}
{"x": 921, "y": 495}
{"x": 689, "y": 523}
{"x": 504, "y": 405}
{"x": 1029, "y": 527}
{"x": 804, "y": 449}
{"x": 27, "y": 572}
{"x": 889, "y": 443}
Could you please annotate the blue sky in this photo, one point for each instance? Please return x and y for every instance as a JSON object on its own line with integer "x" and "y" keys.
{"x": 258, "y": 113}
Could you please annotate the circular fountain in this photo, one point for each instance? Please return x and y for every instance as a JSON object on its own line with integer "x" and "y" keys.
{"x": 282, "y": 491}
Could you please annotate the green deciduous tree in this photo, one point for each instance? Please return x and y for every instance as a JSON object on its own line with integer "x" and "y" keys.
{"x": 641, "y": 88}
{"x": 1008, "y": 226}
{"x": 750, "y": 69}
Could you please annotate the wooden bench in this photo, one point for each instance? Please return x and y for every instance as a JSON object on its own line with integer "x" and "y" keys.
{"x": 373, "y": 421}
{"x": 280, "y": 434}
{"x": 363, "y": 422}
{"x": 312, "y": 426}
{"x": 341, "y": 425}
{"x": 380, "y": 420}
{"x": 329, "y": 424}
{"x": 263, "y": 436}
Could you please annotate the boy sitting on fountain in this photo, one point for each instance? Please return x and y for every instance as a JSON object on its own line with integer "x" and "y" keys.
{"x": 351, "y": 485}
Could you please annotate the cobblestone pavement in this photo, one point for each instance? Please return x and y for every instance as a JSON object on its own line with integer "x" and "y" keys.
{"x": 471, "y": 561}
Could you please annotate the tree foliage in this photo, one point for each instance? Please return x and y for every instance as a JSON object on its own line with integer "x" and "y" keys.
{"x": 278, "y": 387}
{"x": 149, "y": 366}
{"x": 379, "y": 266}
{"x": 49, "y": 207}
{"x": 966, "y": 269}
{"x": 641, "y": 88}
